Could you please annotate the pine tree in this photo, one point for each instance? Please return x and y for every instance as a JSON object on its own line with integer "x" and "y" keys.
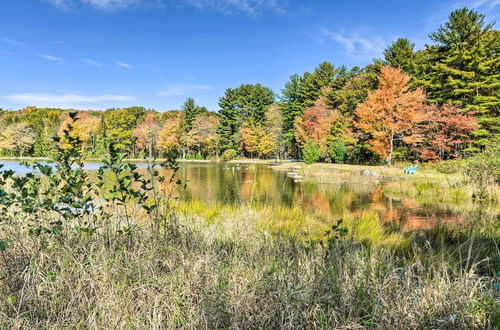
{"x": 291, "y": 105}
{"x": 245, "y": 104}
{"x": 228, "y": 120}
{"x": 191, "y": 110}
{"x": 400, "y": 54}
{"x": 463, "y": 69}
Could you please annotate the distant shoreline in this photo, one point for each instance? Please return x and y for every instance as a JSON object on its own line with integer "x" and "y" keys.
{"x": 158, "y": 160}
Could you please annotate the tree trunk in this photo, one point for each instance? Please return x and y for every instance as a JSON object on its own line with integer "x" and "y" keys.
{"x": 389, "y": 158}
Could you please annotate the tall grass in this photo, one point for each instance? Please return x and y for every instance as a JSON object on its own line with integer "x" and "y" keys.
{"x": 228, "y": 273}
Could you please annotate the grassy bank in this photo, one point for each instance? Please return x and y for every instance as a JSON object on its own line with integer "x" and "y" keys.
{"x": 427, "y": 183}
{"x": 225, "y": 271}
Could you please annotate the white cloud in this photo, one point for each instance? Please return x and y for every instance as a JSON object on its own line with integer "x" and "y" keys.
{"x": 51, "y": 58}
{"x": 13, "y": 42}
{"x": 354, "y": 43}
{"x": 250, "y": 7}
{"x": 92, "y": 62}
{"x": 484, "y": 6}
{"x": 124, "y": 65}
{"x": 105, "y": 5}
{"x": 67, "y": 100}
{"x": 182, "y": 89}
{"x": 441, "y": 12}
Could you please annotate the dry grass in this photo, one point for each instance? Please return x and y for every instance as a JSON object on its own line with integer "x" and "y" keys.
{"x": 230, "y": 273}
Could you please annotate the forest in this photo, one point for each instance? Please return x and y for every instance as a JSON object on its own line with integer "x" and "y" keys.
{"x": 438, "y": 103}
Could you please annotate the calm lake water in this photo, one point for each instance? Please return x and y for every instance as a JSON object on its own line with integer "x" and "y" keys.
{"x": 251, "y": 183}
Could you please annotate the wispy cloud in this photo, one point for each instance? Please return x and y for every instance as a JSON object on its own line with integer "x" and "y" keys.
{"x": 13, "y": 42}
{"x": 441, "y": 11}
{"x": 354, "y": 43}
{"x": 66, "y": 100}
{"x": 250, "y": 7}
{"x": 51, "y": 58}
{"x": 92, "y": 62}
{"x": 5, "y": 52}
{"x": 182, "y": 89}
{"x": 124, "y": 65}
{"x": 485, "y": 6}
{"x": 104, "y": 5}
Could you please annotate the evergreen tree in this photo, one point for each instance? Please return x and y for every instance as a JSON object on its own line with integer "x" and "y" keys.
{"x": 310, "y": 152}
{"x": 400, "y": 54}
{"x": 245, "y": 104}
{"x": 463, "y": 69}
{"x": 314, "y": 83}
{"x": 228, "y": 120}
{"x": 191, "y": 110}
{"x": 291, "y": 105}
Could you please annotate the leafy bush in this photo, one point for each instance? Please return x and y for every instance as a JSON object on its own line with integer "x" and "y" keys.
{"x": 338, "y": 152}
{"x": 483, "y": 171}
{"x": 451, "y": 166}
{"x": 310, "y": 152}
{"x": 229, "y": 154}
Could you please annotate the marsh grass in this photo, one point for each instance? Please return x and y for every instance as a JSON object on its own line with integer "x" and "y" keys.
{"x": 229, "y": 273}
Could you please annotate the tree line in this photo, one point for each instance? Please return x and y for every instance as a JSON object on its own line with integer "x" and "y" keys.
{"x": 438, "y": 103}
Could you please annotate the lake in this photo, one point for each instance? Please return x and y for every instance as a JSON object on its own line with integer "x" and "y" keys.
{"x": 232, "y": 183}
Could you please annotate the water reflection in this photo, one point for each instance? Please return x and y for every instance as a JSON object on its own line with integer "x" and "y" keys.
{"x": 233, "y": 183}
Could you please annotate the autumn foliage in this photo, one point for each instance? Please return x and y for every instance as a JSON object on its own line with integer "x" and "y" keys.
{"x": 447, "y": 132}
{"x": 315, "y": 124}
{"x": 391, "y": 113}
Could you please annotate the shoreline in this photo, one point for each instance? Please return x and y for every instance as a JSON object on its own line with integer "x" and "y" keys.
{"x": 158, "y": 160}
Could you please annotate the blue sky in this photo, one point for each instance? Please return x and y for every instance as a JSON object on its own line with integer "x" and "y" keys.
{"x": 96, "y": 54}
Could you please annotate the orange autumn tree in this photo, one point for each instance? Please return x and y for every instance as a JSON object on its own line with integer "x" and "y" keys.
{"x": 169, "y": 136}
{"x": 315, "y": 124}
{"x": 391, "y": 113}
{"x": 146, "y": 134}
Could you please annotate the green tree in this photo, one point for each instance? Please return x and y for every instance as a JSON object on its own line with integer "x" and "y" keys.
{"x": 400, "y": 54}
{"x": 354, "y": 92}
{"x": 291, "y": 105}
{"x": 228, "y": 127}
{"x": 245, "y": 104}
{"x": 462, "y": 69}
{"x": 310, "y": 152}
{"x": 117, "y": 127}
{"x": 45, "y": 122}
{"x": 191, "y": 110}
{"x": 338, "y": 151}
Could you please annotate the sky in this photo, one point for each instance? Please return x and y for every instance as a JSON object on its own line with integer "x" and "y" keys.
{"x": 98, "y": 54}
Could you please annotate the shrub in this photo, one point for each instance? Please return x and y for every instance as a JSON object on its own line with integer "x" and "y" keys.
{"x": 483, "y": 171}
{"x": 310, "y": 152}
{"x": 229, "y": 154}
{"x": 338, "y": 152}
{"x": 451, "y": 166}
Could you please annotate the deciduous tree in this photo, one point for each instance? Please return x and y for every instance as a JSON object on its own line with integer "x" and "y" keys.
{"x": 18, "y": 137}
{"x": 390, "y": 113}
{"x": 447, "y": 132}
{"x": 146, "y": 134}
{"x": 170, "y": 134}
